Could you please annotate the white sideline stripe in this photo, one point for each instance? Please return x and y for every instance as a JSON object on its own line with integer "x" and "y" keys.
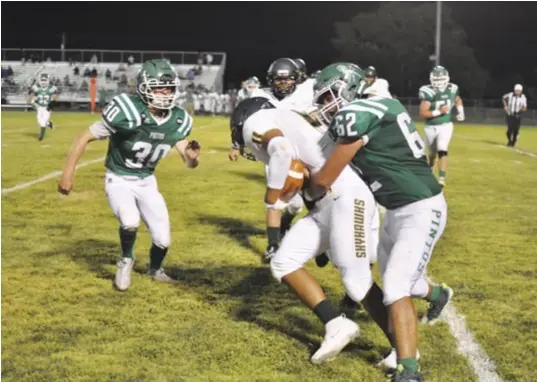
{"x": 47, "y": 177}
{"x": 58, "y": 173}
{"x": 483, "y": 366}
{"x": 522, "y": 152}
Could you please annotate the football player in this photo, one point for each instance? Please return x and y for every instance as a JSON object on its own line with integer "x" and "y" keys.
{"x": 302, "y": 70}
{"x": 437, "y": 100}
{"x": 43, "y": 97}
{"x": 379, "y": 140}
{"x": 250, "y": 86}
{"x": 345, "y": 221}
{"x": 376, "y": 86}
{"x": 141, "y": 129}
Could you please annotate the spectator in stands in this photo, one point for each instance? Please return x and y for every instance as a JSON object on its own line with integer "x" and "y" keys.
{"x": 9, "y": 71}
{"x": 121, "y": 67}
{"x": 66, "y": 80}
{"x": 191, "y": 74}
{"x": 209, "y": 59}
{"x": 71, "y": 63}
{"x": 123, "y": 80}
{"x": 49, "y": 59}
{"x": 76, "y": 71}
{"x": 94, "y": 59}
{"x": 87, "y": 72}
{"x": 200, "y": 59}
{"x": 84, "y": 86}
{"x": 108, "y": 75}
{"x": 130, "y": 60}
{"x": 93, "y": 72}
{"x": 102, "y": 98}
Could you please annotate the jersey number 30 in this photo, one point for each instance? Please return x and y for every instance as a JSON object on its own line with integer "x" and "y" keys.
{"x": 411, "y": 135}
{"x": 145, "y": 156}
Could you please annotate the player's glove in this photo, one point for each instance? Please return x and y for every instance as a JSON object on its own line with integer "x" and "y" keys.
{"x": 249, "y": 156}
{"x": 270, "y": 252}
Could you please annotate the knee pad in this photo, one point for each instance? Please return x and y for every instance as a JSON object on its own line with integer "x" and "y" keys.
{"x": 395, "y": 288}
{"x": 442, "y": 153}
{"x": 282, "y": 266}
{"x": 357, "y": 283}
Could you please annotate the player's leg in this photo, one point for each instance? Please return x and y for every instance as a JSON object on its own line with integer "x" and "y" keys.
{"x": 445, "y": 132}
{"x": 516, "y": 130}
{"x": 42, "y": 121}
{"x": 509, "y": 130}
{"x": 155, "y": 215}
{"x": 416, "y": 228}
{"x": 304, "y": 240}
{"x": 122, "y": 201}
{"x": 430, "y": 141}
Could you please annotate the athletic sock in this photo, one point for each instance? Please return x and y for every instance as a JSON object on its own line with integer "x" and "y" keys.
{"x": 156, "y": 257}
{"x": 127, "y": 239}
{"x": 325, "y": 311}
{"x": 42, "y": 133}
{"x": 408, "y": 363}
{"x": 435, "y": 293}
{"x": 441, "y": 174}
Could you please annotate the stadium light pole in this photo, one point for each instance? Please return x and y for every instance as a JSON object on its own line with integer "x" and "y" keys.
{"x": 438, "y": 33}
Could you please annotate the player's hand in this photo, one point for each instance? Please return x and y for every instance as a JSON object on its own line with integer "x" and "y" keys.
{"x": 270, "y": 252}
{"x": 65, "y": 185}
{"x": 460, "y": 117}
{"x": 234, "y": 154}
{"x": 193, "y": 150}
{"x": 444, "y": 109}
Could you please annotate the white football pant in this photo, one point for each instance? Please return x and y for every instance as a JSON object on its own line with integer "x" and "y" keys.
{"x": 132, "y": 198}
{"x": 437, "y": 137}
{"x": 43, "y": 116}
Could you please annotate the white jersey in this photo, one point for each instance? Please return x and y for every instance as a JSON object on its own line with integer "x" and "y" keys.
{"x": 301, "y": 100}
{"x": 379, "y": 88}
{"x": 309, "y": 145}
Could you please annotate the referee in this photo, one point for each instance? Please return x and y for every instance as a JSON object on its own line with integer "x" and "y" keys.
{"x": 514, "y": 103}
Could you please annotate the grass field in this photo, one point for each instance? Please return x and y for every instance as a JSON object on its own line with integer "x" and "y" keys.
{"x": 227, "y": 320}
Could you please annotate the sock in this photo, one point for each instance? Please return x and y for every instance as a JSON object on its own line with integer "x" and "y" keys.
{"x": 408, "y": 363}
{"x": 435, "y": 293}
{"x": 273, "y": 235}
{"x": 325, "y": 311}
{"x": 127, "y": 239}
{"x": 156, "y": 257}
{"x": 42, "y": 133}
{"x": 441, "y": 174}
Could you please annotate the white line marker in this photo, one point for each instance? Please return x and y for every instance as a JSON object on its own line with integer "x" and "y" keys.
{"x": 522, "y": 152}
{"x": 47, "y": 177}
{"x": 84, "y": 164}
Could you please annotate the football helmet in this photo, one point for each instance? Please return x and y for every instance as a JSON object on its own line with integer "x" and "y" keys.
{"x": 252, "y": 84}
{"x": 44, "y": 80}
{"x": 282, "y": 77}
{"x": 370, "y": 74}
{"x": 157, "y": 84}
{"x": 242, "y": 112}
{"x": 337, "y": 85}
{"x": 302, "y": 70}
{"x": 439, "y": 78}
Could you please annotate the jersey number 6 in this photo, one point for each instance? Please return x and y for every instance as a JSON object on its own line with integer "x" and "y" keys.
{"x": 415, "y": 143}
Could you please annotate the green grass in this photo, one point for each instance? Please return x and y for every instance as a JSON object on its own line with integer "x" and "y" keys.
{"x": 227, "y": 320}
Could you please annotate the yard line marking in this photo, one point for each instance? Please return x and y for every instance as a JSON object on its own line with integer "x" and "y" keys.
{"x": 522, "y": 152}
{"x": 83, "y": 164}
{"x": 483, "y": 366}
{"x": 47, "y": 177}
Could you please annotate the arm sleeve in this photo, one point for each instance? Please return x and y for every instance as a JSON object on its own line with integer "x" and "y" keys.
{"x": 281, "y": 153}
{"x": 100, "y": 131}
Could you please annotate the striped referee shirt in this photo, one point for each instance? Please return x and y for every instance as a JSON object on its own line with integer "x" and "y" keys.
{"x": 514, "y": 103}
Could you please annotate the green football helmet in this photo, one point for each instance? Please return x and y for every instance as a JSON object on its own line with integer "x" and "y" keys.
{"x": 439, "y": 78}
{"x": 157, "y": 84}
{"x": 336, "y": 86}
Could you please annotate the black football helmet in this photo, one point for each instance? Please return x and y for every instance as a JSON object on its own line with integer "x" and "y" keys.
{"x": 370, "y": 74}
{"x": 282, "y": 77}
{"x": 242, "y": 112}
{"x": 302, "y": 70}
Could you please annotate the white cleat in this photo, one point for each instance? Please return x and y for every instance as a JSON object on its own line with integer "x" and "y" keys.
{"x": 339, "y": 332}
{"x": 123, "y": 274}
{"x": 390, "y": 362}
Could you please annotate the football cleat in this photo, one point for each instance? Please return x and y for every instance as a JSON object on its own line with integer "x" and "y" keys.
{"x": 339, "y": 332}
{"x": 436, "y": 308}
{"x": 390, "y": 362}
{"x": 404, "y": 375}
{"x": 160, "y": 275}
{"x": 122, "y": 280}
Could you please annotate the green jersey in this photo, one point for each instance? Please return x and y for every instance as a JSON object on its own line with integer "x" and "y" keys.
{"x": 392, "y": 160}
{"x": 43, "y": 96}
{"x": 438, "y": 99}
{"x": 138, "y": 140}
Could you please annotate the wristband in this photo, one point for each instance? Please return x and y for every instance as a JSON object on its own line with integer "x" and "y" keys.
{"x": 278, "y": 205}
{"x": 436, "y": 113}
{"x": 460, "y": 109}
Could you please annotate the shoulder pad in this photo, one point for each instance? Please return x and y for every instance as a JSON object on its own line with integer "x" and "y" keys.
{"x": 184, "y": 121}
{"x": 122, "y": 113}
{"x": 426, "y": 93}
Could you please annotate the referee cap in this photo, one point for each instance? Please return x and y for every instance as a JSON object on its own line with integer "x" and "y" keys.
{"x": 518, "y": 87}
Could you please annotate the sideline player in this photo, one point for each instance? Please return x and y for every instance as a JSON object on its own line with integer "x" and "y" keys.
{"x": 378, "y": 139}
{"x": 142, "y": 129}
{"x": 437, "y": 100}
{"x": 43, "y": 97}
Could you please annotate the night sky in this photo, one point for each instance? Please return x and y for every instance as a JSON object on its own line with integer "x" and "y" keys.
{"x": 503, "y": 35}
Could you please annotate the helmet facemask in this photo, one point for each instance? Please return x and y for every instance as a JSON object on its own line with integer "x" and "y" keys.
{"x": 152, "y": 90}
{"x": 333, "y": 98}
{"x": 440, "y": 83}
{"x": 283, "y": 85}
{"x": 44, "y": 82}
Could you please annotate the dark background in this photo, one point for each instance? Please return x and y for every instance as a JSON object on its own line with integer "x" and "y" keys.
{"x": 503, "y": 35}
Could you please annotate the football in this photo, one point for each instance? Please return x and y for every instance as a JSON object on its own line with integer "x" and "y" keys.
{"x": 294, "y": 181}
